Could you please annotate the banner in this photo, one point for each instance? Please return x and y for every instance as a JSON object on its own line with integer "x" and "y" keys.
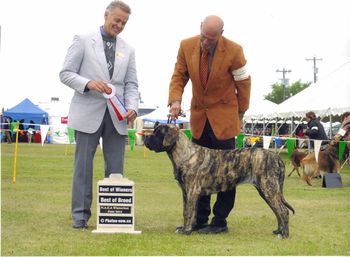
{"x": 44, "y": 129}
{"x": 266, "y": 142}
{"x": 317, "y": 147}
{"x": 290, "y": 147}
{"x": 132, "y": 138}
{"x": 341, "y": 150}
{"x": 64, "y": 120}
{"x": 240, "y": 140}
{"x": 70, "y": 135}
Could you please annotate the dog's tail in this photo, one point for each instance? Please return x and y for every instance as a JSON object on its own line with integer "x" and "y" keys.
{"x": 281, "y": 178}
{"x": 287, "y": 205}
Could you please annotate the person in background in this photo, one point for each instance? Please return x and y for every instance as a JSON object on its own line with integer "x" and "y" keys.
{"x": 93, "y": 61}
{"x": 345, "y": 119}
{"x": 300, "y": 135}
{"x": 30, "y": 131}
{"x": 221, "y": 86}
{"x": 6, "y": 127}
{"x": 22, "y": 134}
{"x": 13, "y": 126}
{"x": 315, "y": 129}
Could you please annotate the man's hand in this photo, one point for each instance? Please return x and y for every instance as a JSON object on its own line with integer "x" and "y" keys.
{"x": 98, "y": 85}
{"x": 175, "y": 108}
{"x": 130, "y": 116}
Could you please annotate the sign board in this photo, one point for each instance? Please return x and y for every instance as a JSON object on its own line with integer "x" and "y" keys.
{"x": 332, "y": 180}
{"x": 115, "y": 205}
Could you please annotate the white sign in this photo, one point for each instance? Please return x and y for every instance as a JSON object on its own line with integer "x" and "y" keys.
{"x": 115, "y": 205}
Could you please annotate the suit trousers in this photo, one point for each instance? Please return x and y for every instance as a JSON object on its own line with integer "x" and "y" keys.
{"x": 113, "y": 146}
{"x": 225, "y": 200}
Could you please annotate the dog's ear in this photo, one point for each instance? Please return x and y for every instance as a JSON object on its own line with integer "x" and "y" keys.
{"x": 171, "y": 135}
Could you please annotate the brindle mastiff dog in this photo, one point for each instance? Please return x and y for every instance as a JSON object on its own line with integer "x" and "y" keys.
{"x": 200, "y": 170}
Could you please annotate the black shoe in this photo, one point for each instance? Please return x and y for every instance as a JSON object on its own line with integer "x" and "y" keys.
{"x": 211, "y": 229}
{"x": 197, "y": 227}
{"x": 80, "y": 224}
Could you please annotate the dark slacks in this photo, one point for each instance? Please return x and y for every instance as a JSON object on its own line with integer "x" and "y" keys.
{"x": 113, "y": 145}
{"x": 225, "y": 200}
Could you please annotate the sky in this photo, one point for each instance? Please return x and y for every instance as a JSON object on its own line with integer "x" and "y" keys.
{"x": 275, "y": 34}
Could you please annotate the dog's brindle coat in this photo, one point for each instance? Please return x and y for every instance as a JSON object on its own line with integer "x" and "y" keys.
{"x": 200, "y": 170}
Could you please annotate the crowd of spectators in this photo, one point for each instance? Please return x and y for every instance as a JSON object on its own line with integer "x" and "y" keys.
{"x": 26, "y": 132}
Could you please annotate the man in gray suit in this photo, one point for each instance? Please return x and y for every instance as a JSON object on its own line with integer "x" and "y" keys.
{"x": 93, "y": 61}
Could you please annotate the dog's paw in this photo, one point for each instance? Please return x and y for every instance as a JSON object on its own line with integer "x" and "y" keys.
{"x": 276, "y": 232}
{"x": 280, "y": 234}
{"x": 183, "y": 231}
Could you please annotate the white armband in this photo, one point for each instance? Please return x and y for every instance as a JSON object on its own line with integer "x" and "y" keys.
{"x": 240, "y": 74}
{"x": 341, "y": 132}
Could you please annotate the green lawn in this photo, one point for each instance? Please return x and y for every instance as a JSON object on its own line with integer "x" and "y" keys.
{"x": 35, "y": 212}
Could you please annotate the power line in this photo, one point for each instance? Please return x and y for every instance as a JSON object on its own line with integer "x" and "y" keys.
{"x": 314, "y": 59}
{"x": 284, "y": 80}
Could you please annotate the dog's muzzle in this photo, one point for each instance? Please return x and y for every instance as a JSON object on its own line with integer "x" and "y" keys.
{"x": 154, "y": 143}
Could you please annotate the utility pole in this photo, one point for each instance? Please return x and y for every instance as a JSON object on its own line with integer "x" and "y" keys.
{"x": 284, "y": 80}
{"x": 315, "y": 68}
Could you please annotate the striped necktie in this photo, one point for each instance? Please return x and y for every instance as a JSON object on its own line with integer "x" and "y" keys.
{"x": 204, "y": 68}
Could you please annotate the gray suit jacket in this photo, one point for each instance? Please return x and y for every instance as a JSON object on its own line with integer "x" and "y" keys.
{"x": 85, "y": 61}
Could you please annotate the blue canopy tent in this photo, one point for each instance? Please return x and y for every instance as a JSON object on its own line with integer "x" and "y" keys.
{"x": 27, "y": 111}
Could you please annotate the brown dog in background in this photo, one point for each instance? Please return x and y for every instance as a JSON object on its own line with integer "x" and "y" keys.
{"x": 296, "y": 158}
{"x": 327, "y": 162}
{"x": 327, "y": 159}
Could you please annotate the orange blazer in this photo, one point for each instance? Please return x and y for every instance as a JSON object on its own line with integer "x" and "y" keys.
{"x": 228, "y": 89}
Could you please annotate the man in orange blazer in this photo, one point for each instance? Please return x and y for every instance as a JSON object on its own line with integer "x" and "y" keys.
{"x": 220, "y": 97}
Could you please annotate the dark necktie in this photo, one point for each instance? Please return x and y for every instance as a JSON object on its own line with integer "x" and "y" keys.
{"x": 204, "y": 68}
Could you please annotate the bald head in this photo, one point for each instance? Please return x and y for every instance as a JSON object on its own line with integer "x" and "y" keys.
{"x": 213, "y": 24}
{"x": 211, "y": 29}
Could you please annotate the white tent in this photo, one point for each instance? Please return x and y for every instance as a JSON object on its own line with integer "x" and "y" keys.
{"x": 329, "y": 96}
{"x": 261, "y": 109}
{"x": 58, "y": 112}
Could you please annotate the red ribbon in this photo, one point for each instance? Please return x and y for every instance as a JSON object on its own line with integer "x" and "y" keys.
{"x": 116, "y": 111}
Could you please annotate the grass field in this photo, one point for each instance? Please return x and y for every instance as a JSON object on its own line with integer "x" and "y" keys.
{"x": 35, "y": 212}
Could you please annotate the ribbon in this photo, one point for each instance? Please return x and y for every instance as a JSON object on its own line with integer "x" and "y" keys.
{"x": 118, "y": 107}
